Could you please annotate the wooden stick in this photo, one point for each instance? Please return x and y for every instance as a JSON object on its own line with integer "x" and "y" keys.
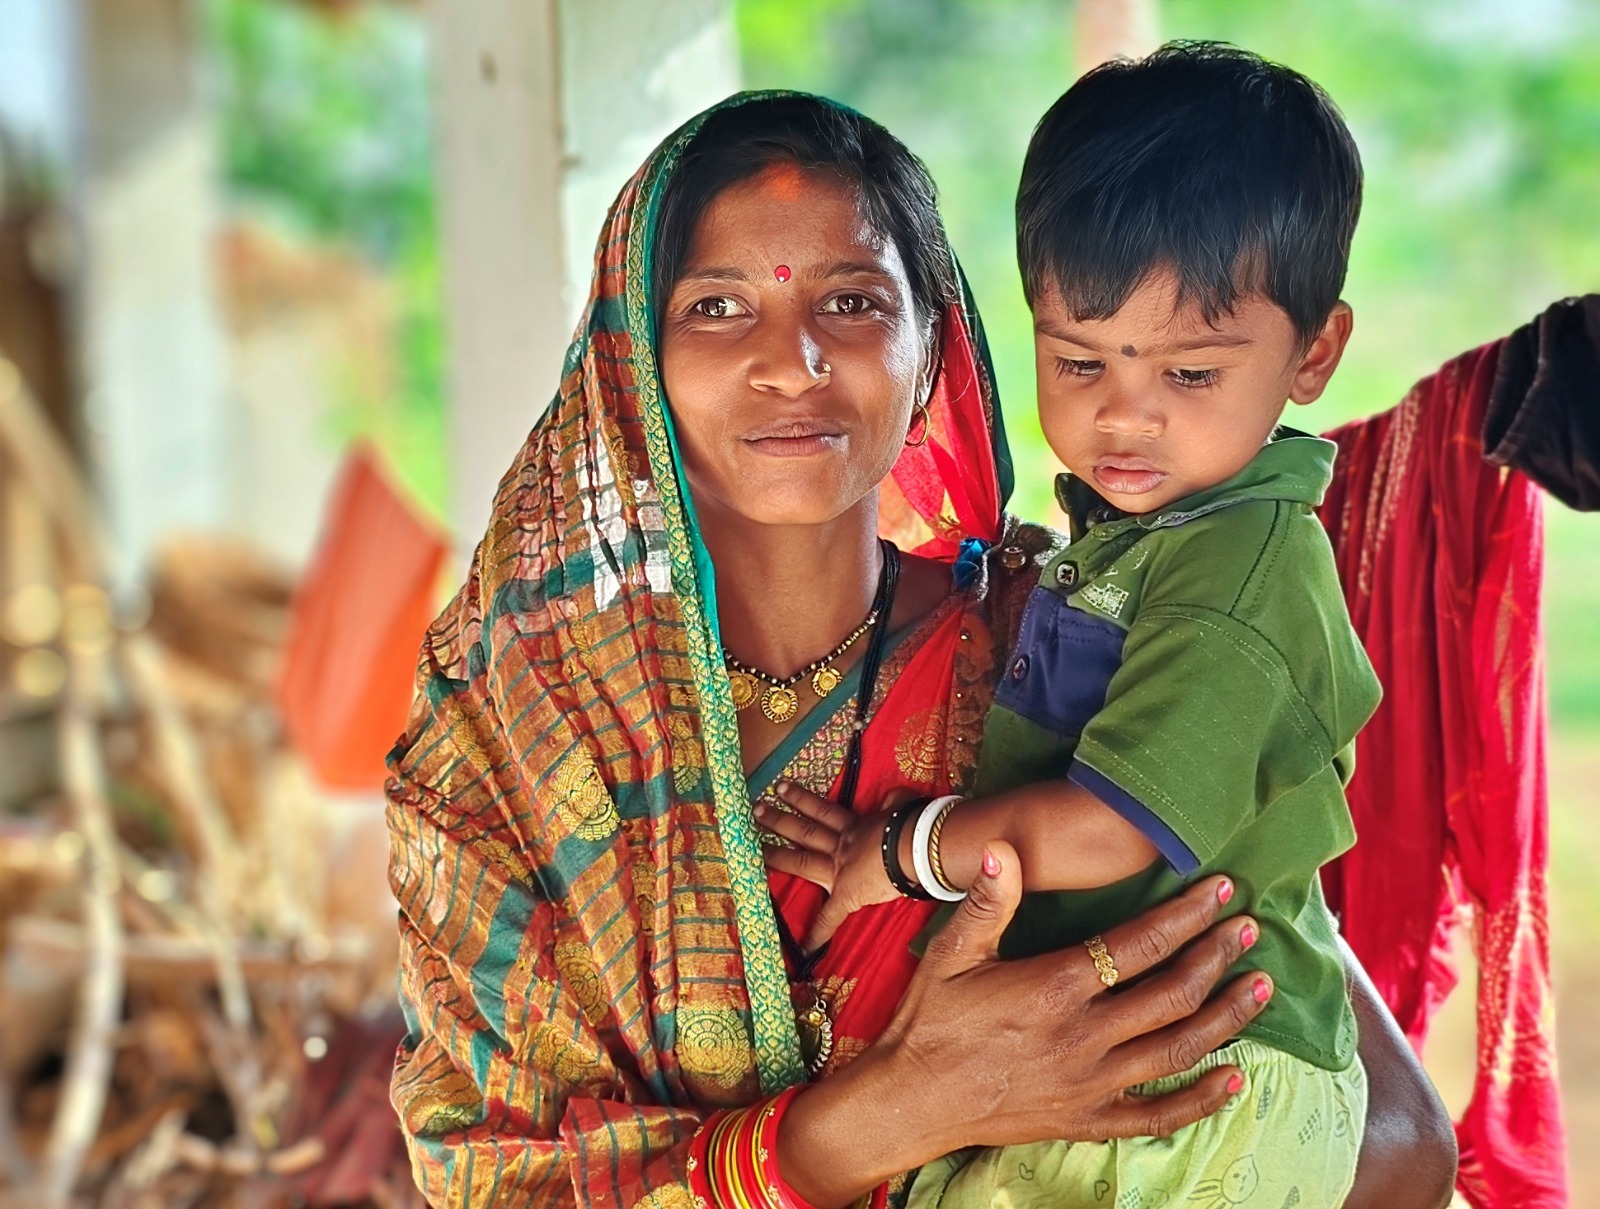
{"x": 88, "y": 1071}
{"x": 41, "y": 455}
{"x": 232, "y": 1160}
{"x": 188, "y": 959}
{"x": 14, "y": 1165}
{"x": 179, "y": 754}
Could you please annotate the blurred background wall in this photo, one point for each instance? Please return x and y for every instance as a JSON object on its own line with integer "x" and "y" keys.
{"x": 241, "y": 238}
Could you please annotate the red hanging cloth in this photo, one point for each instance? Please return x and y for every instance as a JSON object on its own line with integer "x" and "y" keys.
{"x": 1440, "y": 554}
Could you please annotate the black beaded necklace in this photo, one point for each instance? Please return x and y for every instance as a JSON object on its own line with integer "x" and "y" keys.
{"x": 813, "y": 1009}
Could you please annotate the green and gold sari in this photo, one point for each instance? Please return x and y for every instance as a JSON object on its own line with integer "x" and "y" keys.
{"x": 590, "y": 962}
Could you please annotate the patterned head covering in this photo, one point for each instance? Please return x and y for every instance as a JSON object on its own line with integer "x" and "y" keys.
{"x": 575, "y": 737}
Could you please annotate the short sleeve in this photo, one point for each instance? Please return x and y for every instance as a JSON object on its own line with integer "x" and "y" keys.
{"x": 1204, "y": 725}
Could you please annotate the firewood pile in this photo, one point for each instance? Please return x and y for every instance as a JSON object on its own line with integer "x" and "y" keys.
{"x": 189, "y": 1012}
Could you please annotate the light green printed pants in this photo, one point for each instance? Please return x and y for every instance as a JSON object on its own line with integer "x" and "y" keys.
{"x": 1288, "y": 1140}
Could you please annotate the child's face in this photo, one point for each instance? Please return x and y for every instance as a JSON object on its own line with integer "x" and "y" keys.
{"x": 1154, "y": 403}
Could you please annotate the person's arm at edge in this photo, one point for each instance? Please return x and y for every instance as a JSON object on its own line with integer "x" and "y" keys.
{"x": 1408, "y": 1154}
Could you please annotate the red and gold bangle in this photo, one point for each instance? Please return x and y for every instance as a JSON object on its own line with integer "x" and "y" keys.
{"x": 733, "y": 1159}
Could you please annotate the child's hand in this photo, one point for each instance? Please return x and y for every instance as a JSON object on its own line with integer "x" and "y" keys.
{"x": 840, "y": 851}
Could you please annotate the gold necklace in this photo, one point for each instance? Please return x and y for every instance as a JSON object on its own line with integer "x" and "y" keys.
{"x": 779, "y": 702}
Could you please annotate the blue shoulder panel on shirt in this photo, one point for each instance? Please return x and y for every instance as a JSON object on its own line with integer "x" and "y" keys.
{"x": 1149, "y": 824}
{"x": 1061, "y": 665}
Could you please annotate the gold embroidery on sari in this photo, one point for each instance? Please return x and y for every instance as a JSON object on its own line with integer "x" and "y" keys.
{"x": 582, "y": 800}
{"x": 713, "y": 1045}
{"x": 466, "y": 743}
{"x": 504, "y": 858}
{"x": 448, "y": 1100}
{"x": 673, "y": 1196}
{"x": 568, "y": 1060}
{"x": 916, "y": 751}
{"x": 582, "y": 977}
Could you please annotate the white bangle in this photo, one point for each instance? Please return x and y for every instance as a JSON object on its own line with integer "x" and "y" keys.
{"x": 932, "y": 813}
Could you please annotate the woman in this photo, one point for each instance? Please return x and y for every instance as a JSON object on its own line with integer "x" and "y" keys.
{"x": 674, "y": 609}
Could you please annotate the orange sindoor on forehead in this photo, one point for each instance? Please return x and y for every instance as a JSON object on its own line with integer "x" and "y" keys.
{"x": 784, "y": 182}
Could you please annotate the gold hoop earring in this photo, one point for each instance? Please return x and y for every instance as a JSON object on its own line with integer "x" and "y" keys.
{"x": 927, "y": 427}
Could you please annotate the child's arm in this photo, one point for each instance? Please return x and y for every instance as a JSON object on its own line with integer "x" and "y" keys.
{"x": 1068, "y": 838}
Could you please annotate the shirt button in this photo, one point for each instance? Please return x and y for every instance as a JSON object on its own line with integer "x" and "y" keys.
{"x": 1067, "y": 574}
{"x": 1012, "y": 558}
{"x": 1019, "y": 669}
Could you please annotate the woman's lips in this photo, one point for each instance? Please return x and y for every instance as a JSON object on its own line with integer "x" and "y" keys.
{"x": 797, "y": 440}
{"x": 1134, "y": 476}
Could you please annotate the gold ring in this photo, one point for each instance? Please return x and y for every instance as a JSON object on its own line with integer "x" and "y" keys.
{"x": 1104, "y": 966}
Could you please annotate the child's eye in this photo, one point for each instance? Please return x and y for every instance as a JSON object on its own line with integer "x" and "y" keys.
{"x": 849, "y": 304}
{"x": 1077, "y": 368}
{"x": 719, "y": 307}
{"x": 1194, "y": 378}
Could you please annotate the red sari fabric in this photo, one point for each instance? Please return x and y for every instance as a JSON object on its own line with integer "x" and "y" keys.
{"x": 1440, "y": 554}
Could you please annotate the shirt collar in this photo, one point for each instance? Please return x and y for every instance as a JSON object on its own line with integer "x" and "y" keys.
{"x": 1292, "y": 466}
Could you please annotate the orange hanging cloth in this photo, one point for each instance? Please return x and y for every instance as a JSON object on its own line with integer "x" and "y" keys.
{"x": 1440, "y": 552}
{"x": 369, "y": 595}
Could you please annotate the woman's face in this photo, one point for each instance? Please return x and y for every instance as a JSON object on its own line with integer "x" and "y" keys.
{"x": 791, "y": 352}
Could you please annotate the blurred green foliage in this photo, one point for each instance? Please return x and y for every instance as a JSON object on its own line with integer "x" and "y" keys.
{"x": 1479, "y": 126}
{"x": 1478, "y": 120}
{"x": 326, "y": 132}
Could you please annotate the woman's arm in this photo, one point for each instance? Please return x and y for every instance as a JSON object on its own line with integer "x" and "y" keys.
{"x": 983, "y": 1052}
{"x": 1408, "y": 1155}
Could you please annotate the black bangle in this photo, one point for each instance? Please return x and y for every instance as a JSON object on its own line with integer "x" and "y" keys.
{"x": 908, "y": 887}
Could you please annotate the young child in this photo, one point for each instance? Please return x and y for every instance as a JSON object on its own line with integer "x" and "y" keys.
{"x": 1186, "y": 685}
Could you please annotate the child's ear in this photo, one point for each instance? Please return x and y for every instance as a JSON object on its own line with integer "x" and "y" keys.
{"x": 1322, "y": 358}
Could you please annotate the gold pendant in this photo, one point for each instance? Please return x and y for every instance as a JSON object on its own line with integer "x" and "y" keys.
{"x": 744, "y": 688}
{"x": 824, "y": 680}
{"x": 779, "y": 704}
{"x": 814, "y": 1023}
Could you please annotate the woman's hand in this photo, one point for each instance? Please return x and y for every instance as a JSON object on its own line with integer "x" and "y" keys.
{"x": 840, "y": 851}
{"x": 985, "y": 1052}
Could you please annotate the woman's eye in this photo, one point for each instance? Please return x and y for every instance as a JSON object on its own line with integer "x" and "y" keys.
{"x": 720, "y": 307}
{"x": 1194, "y": 377}
{"x": 1077, "y": 368}
{"x": 849, "y": 304}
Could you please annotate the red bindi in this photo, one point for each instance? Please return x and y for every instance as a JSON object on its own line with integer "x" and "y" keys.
{"x": 781, "y": 273}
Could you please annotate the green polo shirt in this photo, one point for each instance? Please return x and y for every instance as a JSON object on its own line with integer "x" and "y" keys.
{"x": 1195, "y": 668}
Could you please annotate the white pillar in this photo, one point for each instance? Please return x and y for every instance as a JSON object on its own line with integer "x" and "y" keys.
{"x": 544, "y": 108}
{"x": 153, "y": 358}
{"x": 1109, "y": 29}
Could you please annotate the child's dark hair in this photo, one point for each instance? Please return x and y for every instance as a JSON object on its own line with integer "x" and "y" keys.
{"x": 1236, "y": 174}
{"x": 896, "y": 193}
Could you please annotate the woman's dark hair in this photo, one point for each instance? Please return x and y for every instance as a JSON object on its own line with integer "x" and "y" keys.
{"x": 1237, "y": 174}
{"x": 897, "y": 195}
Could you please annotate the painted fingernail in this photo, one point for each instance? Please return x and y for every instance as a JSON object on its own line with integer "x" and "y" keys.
{"x": 1247, "y": 935}
{"x": 991, "y": 864}
{"x": 1262, "y": 991}
{"x": 1235, "y": 1084}
{"x": 1224, "y": 891}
